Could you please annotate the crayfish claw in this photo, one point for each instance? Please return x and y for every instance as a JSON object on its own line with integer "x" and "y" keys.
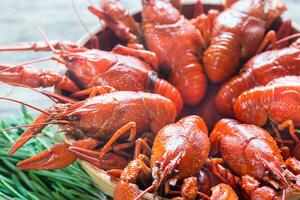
{"x": 57, "y": 157}
{"x": 35, "y": 128}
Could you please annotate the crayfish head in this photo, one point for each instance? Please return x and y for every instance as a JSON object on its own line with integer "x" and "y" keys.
{"x": 63, "y": 114}
{"x": 39, "y": 124}
{"x": 83, "y": 66}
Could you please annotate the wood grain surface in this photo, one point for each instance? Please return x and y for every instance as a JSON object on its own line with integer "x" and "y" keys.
{"x": 59, "y": 21}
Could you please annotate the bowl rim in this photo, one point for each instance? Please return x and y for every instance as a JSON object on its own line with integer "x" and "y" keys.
{"x": 96, "y": 29}
{"x": 107, "y": 184}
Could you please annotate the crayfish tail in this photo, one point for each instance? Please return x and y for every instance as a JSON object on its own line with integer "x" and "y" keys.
{"x": 231, "y": 89}
{"x": 190, "y": 80}
{"x": 222, "y": 58}
{"x": 165, "y": 89}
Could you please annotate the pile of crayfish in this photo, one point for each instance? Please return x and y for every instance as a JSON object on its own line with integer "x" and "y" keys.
{"x": 204, "y": 106}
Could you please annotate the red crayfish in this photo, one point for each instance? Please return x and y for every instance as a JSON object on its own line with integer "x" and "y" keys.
{"x": 179, "y": 151}
{"x": 260, "y": 70}
{"x": 124, "y": 68}
{"x": 104, "y": 118}
{"x": 174, "y": 39}
{"x": 236, "y": 33}
{"x": 252, "y": 153}
{"x": 278, "y": 101}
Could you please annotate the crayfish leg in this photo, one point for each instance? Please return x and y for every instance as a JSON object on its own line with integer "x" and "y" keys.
{"x": 223, "y": 173}
{"x": 93, "y": 91}
{"x": 148, "y": 56}
{"x": 107, "y": 162}
{"x": 58, "y": 98}
{"x": 189, "y": 189}
{"x": 57, "y": 157}
{"x": 270, "y": 37}
{"x": 116, "y": 173}
{"x": 123, "y": 130}
{"x": 139, "y": 145}
{"x": 120, "y": 149}
{"x": 264, "y": 193}
{"x": 289, "y": 124}
{"x": 293, "y": 165}
{"x": 205, "y": 24}
{"x": 95, "y": 157}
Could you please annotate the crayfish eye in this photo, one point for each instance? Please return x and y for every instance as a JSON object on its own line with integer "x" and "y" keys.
{"x": 176, "y": 172}
{"x": 69, "y": 59}
{"x": 73, "y": 118}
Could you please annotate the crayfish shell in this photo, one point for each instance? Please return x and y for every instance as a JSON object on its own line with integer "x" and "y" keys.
{"x": 108, "y": 40}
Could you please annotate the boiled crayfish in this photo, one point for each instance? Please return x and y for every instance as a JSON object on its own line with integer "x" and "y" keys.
{"x": 174, "y": 39}
{"x": 124, "y": 69}
{"x": 259, "y": 70}
{"x": 102, "y": 118}
{"x": 236, "y": 34}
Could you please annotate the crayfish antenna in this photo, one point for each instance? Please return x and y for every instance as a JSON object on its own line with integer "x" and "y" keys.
{"x": 150, "y": 188}
{"x": 168, "y": 165}
{"x": 25, "y": 104}
{"x": 45, "y": 45}
{"x": 37, "y": 126}
{"x": 58, "y": 157}
{"x": 288, "y": 38}
{"x": 37, "y": 27}
{"x": 58, "y": 98}
{"x": 94, "y": 41}
{"x": 38, "y": 46}
{"x": 284, "y": 31}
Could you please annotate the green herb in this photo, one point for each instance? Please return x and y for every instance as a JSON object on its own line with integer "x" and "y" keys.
{"x": 69, "y": 183}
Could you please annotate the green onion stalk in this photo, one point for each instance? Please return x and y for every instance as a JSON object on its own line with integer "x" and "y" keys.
{"x": 69, "y": 183}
